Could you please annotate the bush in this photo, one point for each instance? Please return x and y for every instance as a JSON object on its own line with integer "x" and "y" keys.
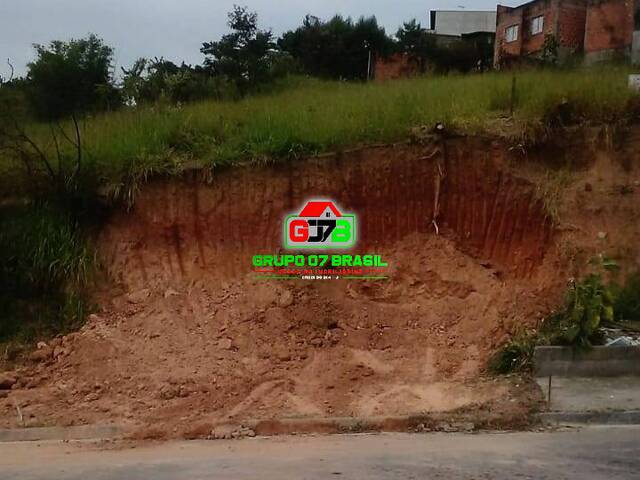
{"x": 627, "y": 299}
{"x": 587, "y": 304}
{"x": 72, "y": 77}
{"x": 515, "y": 356}
{"x": 44, "y": 266}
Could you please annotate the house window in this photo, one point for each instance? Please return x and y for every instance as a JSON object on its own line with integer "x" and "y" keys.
{"x": 537, "y": 24}
{"x": 511, "y": 33}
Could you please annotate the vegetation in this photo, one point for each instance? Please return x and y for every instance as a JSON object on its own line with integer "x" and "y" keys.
{"x": 71, "y": 77}
{"x": 339, "y": 48}
{"x": 515, "y": 356}
{"x": 627, "y": 300}
{"x": 243, "y": 56}
{"x": 550, "y": 191}
{"x": 442, "y": 55}
{"x": 306, "y": 116}
{"x": 44, "y": 267}
{"x": 589, "y": 304}
{"x": 70, "y": 127}
{"x": 161, "y": 81}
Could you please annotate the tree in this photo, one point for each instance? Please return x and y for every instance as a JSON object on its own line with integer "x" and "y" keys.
{"x": 338, "y": 48}
{"x": 160, "y": 80}
{"x": 244, "y": 55}
{"x": 440, "y": 53}
{"x": 414, "y": 41}
{"x": 72, "y": 77}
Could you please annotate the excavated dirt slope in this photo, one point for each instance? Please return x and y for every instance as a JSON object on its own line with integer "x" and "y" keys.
{"x": 186, "y": 336}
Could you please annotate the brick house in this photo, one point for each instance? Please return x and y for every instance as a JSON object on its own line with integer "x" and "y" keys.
{"x": 599, "y": 29}
{"x": 610, "y": 27}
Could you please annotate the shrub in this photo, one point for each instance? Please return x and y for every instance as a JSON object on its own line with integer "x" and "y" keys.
{"x": 587, "y": 304}
{"x": 44, "y": 266}
{"x": 627, "y": 299}
{"x": 515, "y": 356}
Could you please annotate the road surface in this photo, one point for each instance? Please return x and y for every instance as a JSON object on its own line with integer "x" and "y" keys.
{"x": 596, "y": 452}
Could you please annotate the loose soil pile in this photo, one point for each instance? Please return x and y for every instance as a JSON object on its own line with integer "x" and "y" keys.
{"x": 186, "y": 336}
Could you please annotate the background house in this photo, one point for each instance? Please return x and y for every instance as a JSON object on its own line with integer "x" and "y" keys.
{"x": 461, "y": 22}
{"x": 521, "y": 31}
{"x": 599, "y": 29}
{"x": 456, "y": 40}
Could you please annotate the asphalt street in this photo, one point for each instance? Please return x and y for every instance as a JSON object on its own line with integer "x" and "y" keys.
{"x": 588, "y": 453}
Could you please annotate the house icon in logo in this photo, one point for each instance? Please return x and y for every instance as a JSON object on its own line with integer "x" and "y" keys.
{"x": 320, "y": 224}
{"x": 320, "y": 209}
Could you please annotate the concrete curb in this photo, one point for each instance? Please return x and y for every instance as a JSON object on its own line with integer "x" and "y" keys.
{"x": 80, "y": 432}
{"x": 435, "y": 422}
{"x": 594, "y": 362}
{"x": 619, "y": 417}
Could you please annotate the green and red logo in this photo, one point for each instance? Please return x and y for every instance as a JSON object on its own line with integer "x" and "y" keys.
{"x": 320, "y": 224}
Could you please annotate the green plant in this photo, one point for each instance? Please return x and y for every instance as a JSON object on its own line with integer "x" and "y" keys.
{"x": 627, "y": 299}
{"x": 72, "y": 77}
{"x": 587, "y": 304}
{"x": 305, "y": 115}
{"x": 515, "y": 356}
{"x": 45, "y": 264}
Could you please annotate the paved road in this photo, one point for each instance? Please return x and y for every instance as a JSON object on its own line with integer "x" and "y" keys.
{"x": 598, "y": 453}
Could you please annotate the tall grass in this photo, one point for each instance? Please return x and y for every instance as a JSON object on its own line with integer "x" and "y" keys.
{"x": 308, "y": 115}
{"x": 44, "y": 266}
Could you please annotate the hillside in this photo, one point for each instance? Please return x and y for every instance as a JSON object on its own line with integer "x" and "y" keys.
{"x": 185, "y": 337}
{"x": 303, "y": 116}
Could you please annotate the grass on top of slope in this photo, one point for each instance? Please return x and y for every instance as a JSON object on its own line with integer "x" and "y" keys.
{"x": 309, "y": 115}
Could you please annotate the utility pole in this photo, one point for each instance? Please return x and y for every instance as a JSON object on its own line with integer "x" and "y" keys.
{"x": 368, "y": 47}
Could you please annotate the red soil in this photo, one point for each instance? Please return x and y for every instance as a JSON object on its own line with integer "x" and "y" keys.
{"x": 185, "y": 335}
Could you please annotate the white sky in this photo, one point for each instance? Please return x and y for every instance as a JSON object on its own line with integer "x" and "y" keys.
{"x": 176, "y": 29}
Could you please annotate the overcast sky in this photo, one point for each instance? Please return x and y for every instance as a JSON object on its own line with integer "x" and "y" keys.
{"x": 176, "y": 29}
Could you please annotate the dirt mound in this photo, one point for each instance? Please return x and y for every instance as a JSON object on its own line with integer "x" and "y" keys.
{"x": 217, "y": 349}
{"x": 189, "y": 336}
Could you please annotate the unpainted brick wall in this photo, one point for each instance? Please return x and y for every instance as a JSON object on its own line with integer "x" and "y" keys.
{"x": 609, "y": 25}
{"x": 571, "y": 25}
{"x": 507, "y": 17}
{"x": 565, "y": 19}
{"x": 395, "y": 66}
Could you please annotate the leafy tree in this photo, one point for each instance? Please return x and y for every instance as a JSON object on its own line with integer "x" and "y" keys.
{"x": 244, "y": 55}
{"x": 443, "y": 54}
{"x": 71, "y": 77}
{"x": 160, "y": 80}
{"x": 413, "y": 40}
{"x": 338, "y": 48}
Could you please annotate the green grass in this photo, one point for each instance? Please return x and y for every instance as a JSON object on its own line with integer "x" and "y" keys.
{"x": 308, "y": 115}
{"x": 45, "y": 263}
